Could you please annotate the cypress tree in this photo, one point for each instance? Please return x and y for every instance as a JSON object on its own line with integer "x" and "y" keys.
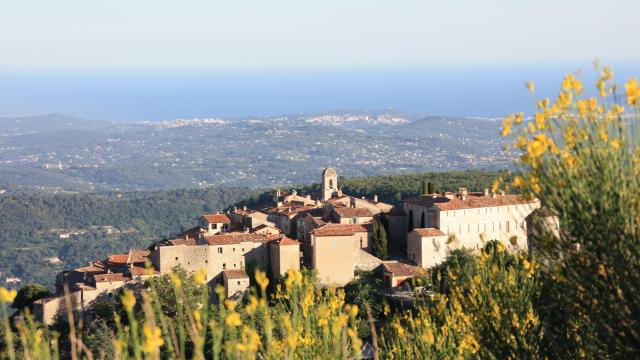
{"x": 379, "y": 240}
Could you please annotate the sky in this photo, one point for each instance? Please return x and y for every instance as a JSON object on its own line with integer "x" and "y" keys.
{"x": 158, "y": 59}
{"x": 239, "y": 34}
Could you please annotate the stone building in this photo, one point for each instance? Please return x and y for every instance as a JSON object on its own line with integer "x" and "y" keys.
{"x": 215, "y": 223}
{"x": 469, "y": 219}
{"x": 236, "y": 283}
{"x": 338, "y": 250}
{"x": 396, "y": 273}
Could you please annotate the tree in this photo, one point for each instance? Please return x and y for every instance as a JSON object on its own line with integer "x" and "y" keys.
{"x": 430, "y": 188}
{"x": 363, "y": 291}
{"x": 379, "y": 240}
{"x": 425, "y": 187}
{"x": 27, "y": 295}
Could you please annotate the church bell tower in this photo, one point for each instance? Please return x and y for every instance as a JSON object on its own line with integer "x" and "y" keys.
{"x": 329, "y": 183}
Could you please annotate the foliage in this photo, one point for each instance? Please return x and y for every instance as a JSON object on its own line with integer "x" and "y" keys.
{"x": 28, "y": 294}
{"x": 581, "y": 156}
{"x": 379, "y": 240}
{"x": 364, "y": 291}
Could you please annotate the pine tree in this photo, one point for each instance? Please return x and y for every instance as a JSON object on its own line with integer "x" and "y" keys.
{"x": 379, "y": 240}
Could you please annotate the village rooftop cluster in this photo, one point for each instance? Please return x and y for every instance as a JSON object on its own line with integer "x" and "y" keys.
{"x": 329, "y": 232}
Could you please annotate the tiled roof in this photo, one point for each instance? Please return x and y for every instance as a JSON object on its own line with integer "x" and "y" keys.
{"x": 216, "y": 218}
{"x": 110, "y": 277}
{"x": 352, "y": 212}
{"x": 401, "y": 269}
{"x": 138, "y": 255}
{"x": 284, "y": 240}
{"x": 235, "y": 274}
{"x": 429, "y": 232}
{"x": 339, "y": 230}
{"x": 472, "y": 201}
{"x": 186, "y": 242}
{"x": 118, "y": 258}
{"x": 234, "y": 238}
{"x": 141, "y": 270}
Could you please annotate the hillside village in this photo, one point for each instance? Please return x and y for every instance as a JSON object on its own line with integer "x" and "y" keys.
{"x": 330, "y": 232}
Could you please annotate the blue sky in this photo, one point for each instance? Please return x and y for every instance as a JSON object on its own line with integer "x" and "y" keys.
{"x": 237, "y": 34}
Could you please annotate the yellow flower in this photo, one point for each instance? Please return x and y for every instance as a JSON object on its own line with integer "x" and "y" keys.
{"x": 7, "y": 296}
{"x": 632, "y": 91}
{"x": 607, "y": 74}
{"x": 506, "y": 125}
{"x": 538, "y": 146}
{"x": 517, "y": 181}
{"x": 530, "y": 86}
{"x": 175, "y": 279}
{"x": 540, "y": 118}
{"x": 262, "y": 280}
{"x": 564, "y": 99}
{"x": 567, "y": 82}
{"x": 252, "y": 306}
{"x": 577, "y": 86}
{"x": 233, "y": 319}
{"x": 152, "y": 339}
{"x": 128, "y": 300}
{"x": 543, "y": 104}
{"x": 593, "y": 104}
{"x": 602, "y": 90}
{"x": 200, "y": 277}
{"x": 615, "y": 143}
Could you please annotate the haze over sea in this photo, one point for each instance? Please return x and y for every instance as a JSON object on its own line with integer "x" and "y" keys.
{"x": 134, "y": 95}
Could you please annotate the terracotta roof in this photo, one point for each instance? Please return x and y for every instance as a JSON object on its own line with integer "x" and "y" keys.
{"x": 472, "y": 201}
{"x": 216, "y": 218}
{"x": 95, "y": 267}
{"x": 352, "y": 212}
{"x": 141, "y": 270}
{"x": 429, "y": 232}
{"x": 186, "y": 242}
{"x": 110, "y": 277}
{"x": 118, "y": 258}
{"x": 235, "y": 274}
{"x": 138, "y": 255}
{"x": 234, "y": 238}
{"x": 284, "y": 240}
{"x": 339, "y": 230}
{"x": 401, "y": 269}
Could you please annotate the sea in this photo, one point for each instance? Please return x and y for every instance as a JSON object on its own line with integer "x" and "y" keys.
{"x": 123, "y": 95}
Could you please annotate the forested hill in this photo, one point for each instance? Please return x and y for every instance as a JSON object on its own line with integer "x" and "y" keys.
{"x": 41, "y": 234}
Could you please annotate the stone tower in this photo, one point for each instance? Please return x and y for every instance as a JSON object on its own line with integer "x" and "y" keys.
{"x": 329, "y": 183}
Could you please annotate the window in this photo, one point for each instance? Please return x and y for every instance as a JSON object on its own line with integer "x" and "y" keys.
{"x": 238, "y": 282}
{"x": 219, "y": 250}
{"x": 224, "y": 266}
{"x": 234, "y": 265}
{"x": 206, "y": 261}
{"x": 459, "y": 229}
{"x": 507, "y": 226}
{"x": 234, "y": 249}
{"x": 214, "y": 226}
{"x": 176, "y": 258}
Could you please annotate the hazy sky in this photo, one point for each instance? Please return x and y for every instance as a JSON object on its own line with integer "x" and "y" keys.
{"x": 208, "y": 34}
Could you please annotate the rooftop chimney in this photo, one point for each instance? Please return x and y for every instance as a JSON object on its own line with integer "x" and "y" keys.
{"x": 486, "y": 192}
{"x": 375, "y": 198}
